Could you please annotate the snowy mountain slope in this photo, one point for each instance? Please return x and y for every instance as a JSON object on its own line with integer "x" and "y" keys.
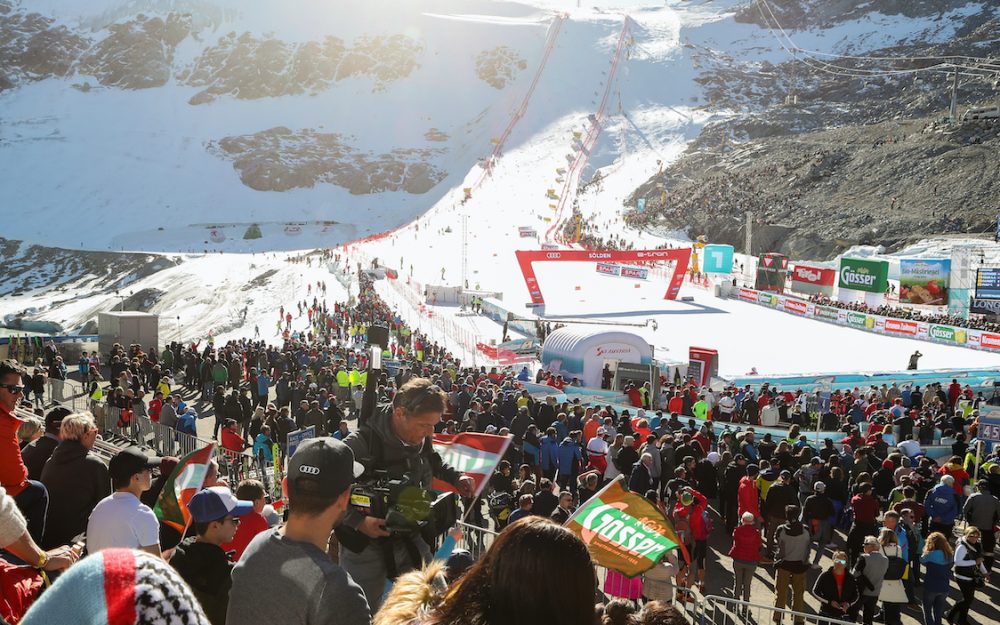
{"x": 144, "y": 169}
{"x": 153, "y": 147}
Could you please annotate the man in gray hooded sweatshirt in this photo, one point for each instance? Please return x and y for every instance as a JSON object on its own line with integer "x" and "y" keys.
{"x": 792, "y": 561}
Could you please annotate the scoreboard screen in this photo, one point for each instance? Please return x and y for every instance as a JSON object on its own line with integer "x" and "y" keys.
{"x": 988, "y": 283}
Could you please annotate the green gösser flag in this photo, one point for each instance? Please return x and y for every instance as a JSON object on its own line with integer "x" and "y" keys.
{"x": 623, "y": 531}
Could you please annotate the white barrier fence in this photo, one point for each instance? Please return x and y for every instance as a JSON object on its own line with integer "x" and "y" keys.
{"x": 891, "y": 326}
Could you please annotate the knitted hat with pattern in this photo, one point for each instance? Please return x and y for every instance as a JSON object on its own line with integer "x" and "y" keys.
{"x": 118, "y": 587}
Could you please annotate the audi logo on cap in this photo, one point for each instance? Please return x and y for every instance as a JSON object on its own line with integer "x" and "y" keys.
{"x": 308, "y": 470}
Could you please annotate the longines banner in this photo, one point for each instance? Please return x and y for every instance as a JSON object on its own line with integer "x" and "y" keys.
{"x": 984, "y": 306}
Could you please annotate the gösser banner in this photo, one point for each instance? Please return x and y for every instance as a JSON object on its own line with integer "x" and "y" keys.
{"x": 871, "y": 276}
{"x": 924, "y": 282}
{"x": 934, "y": 332}
{"x": 813, "y": 280}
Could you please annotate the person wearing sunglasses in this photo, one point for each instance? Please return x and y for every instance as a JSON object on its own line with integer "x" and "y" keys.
{"x": 836, "y": 590}
{"x": 30, "y": 495}
{"x": 200, "y": 560}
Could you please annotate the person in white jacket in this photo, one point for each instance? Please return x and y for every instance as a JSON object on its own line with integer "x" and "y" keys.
{"x": 968, "y": 566}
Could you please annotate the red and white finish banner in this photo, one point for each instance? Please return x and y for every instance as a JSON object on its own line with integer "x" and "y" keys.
{"x": 680, "y": 257}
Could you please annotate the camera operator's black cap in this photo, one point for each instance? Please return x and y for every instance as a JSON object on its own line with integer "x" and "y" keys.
{"x": 329, "y": 462}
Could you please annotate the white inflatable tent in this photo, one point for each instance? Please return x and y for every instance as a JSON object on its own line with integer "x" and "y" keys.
{"x": 581, "y": 352}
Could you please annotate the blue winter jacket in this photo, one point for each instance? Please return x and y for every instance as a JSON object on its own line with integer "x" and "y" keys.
{"x": 549, "y": 453}
{"x": 570, "y": 456}
{"x": 937, "y": 572}
{"x": 940, "y": 502}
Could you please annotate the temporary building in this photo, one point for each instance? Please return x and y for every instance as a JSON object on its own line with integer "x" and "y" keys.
{"x": 582, "y": 352}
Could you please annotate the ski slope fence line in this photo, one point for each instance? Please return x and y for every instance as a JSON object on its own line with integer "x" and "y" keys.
{"x": 583, "y": 154}
{"x": 448, "y": 328}
{"x": 550, "y": 44}
{"x": 906, "y": 328}
{"x": 422, "y": 318}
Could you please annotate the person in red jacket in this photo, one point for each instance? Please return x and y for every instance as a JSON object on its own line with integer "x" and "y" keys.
{"x": 231, "y": 438}
{"x": 747, "y": 495}
{"x": 634, "y": 396}
{"x": 954, "y": 468}
{"x": 30, "y": 496}
{"x": 676, "y": 403}
{"x": 745, "y": 553}
{"x": 155, "y": 406}
{"x": 954, "y": 392}
{"x": 689, "y": 513}
{"x": 866, "y": 509}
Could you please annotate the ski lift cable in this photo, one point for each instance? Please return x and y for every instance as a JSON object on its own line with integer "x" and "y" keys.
{"x": 983, "y": 66}
{"x": 824, "y": 66}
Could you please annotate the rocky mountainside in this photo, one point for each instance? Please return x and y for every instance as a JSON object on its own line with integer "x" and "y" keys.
{"x": 279, "y": 159}
{"x": 813, "y": 195}
{"x": 819, "y": 145}
{"x": 139, "y": 53}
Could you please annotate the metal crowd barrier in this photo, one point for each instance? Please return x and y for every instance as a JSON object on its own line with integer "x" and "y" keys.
{"x": 717, "y": 610}
{"x": 477, "y": 539}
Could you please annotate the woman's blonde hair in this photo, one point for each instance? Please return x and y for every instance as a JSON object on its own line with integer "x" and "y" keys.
{"x": 413, "y": 595}
{"x": 28, "y": 428}
{"x": 74, "y": 426}
{"x": 937, "y": 540}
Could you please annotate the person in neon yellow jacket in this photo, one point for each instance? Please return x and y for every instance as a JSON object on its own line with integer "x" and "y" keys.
{"x": 700, "y": 408}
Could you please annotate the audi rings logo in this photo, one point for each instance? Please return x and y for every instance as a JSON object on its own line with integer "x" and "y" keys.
{"x": 553, "y": 255}
{"x": 308, "y": 470}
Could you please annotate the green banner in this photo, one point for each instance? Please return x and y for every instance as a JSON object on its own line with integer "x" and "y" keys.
{"x": 858, "y": 274}
{"x": 860, "y": 319}
{"x": 948, "y": 333}
{"x": 622, "y": 530}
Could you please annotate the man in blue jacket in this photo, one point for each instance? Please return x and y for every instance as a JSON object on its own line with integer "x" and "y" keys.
{"x": 941, "y": 506}
{"x": 549, "y": 454}
{"x": 570, "y": 458}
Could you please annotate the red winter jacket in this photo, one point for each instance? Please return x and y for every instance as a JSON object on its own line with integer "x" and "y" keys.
{"x": 635, "y": 397}
{"x": 13, "y": 473}
{"x": 693, "y": 515}
{"x": 748, "y": 497}
{"x": 746, "y": 544}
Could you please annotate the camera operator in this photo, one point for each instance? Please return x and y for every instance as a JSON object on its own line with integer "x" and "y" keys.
{"x": 397, "y": 440}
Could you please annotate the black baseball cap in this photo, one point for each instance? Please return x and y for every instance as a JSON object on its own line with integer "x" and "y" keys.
{"x": 328, "y": 462}
{"x": 130, "y": 461}
{"x": 54, "y": 417}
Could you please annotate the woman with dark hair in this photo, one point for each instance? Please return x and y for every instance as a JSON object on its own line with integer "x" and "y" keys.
{"x": 513, "y": 582}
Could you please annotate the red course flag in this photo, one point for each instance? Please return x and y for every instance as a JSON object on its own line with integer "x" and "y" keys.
{"x": 476, "y": 455}
{"x": 187, "y": 478}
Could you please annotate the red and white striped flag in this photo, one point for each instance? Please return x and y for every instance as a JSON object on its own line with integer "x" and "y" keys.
{"x": 476, "y": 455}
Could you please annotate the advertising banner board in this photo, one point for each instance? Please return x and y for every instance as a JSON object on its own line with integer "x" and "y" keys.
{"x": 924, "y": 282}
{"x": 871, "y": 276}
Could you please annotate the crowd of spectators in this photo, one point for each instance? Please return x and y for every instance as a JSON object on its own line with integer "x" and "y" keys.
{"x": 976, "y": 322}
{"x": 883, "y": 513}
